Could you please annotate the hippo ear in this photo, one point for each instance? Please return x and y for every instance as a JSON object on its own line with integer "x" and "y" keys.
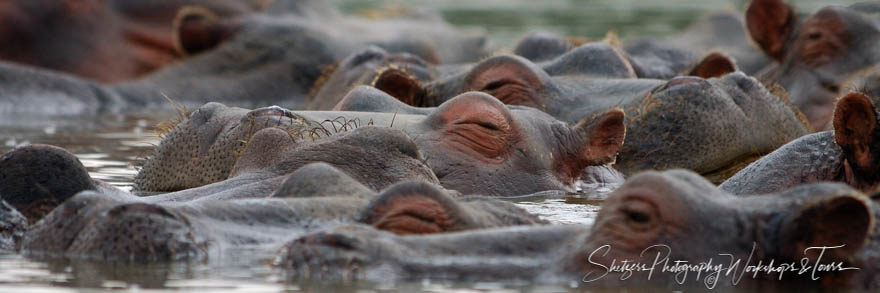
{"x": 854, "y": 123}
{"x": 830, "y": 222}
{"x": 400, "y": 84}
{"x": 511, "y": 79}
{"x": 715, "y": 64}
{"x": 414, "y": 208}
{"x": 771, "y": 24}
{"x": 261, "y": 150}
{"x": 599, "y": 138}
{"x": 197, "y": 29}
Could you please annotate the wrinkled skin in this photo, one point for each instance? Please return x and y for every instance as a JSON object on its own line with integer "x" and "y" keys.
{"x": 712, "y": 126}
{"x": 669, "y": 208}
{"x": 108, "y": 41}
{"x": 722, "y": 32}
{"x": 473, "y": 143}
{"x": 848, "y": 154}
{"x": 816, "y": 55}
{"x": 248, "y": 61}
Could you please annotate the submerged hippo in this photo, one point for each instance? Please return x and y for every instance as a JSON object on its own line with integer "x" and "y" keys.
{"x": 815, "y": 55}
{"x": 116, "y": 40}
{"x": 846, "y": 154}
{"x": 655, "y": 220}
{"x": 35, "y": 179}
{"x": 249, "y": 61}
{"x": 473, "y": 143}
{"x": 108, "y": 41}
{"x": 115, "y": 227}
{"x": 713, "y": 126}
{"x": 720, "y": 32}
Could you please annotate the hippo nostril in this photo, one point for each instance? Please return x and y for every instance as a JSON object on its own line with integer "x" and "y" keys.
{"x": 679, "y": 81}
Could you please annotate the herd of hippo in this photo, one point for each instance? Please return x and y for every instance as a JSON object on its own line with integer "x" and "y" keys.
{"x": 746, "y": 140}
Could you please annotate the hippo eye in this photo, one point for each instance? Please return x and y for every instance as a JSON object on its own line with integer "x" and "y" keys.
{"x": 481, "y": 135}
{"x": 494, "y": 85}
{"x": 814, "y": 35}
{"x": 832, "y": 87}
{"x": 638, "y": 217}
{"x": 639, "y": 214}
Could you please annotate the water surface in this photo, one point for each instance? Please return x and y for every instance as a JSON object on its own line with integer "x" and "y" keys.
{"x": 110, "y": 147}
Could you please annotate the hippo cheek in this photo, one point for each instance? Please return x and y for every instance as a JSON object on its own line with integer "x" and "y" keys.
{"x": 138, "y": 231}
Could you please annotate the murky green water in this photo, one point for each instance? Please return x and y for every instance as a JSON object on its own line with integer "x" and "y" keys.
{"x": 109, "y": 146}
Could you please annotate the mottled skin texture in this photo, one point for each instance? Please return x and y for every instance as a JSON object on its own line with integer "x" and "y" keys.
{"x": 473, "y": 143}
{"x": 816, "y": 55}
{"x": 108, "y": 41}
{"x": 671, "y": 208}
{"x": 123, "y": 227}
{"x": 722, "y": 31}
{"x": 847, "y": 154}
{"x": 712, "y": 126}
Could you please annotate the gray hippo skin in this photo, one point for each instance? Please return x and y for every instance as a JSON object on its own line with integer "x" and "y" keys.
{"x": 473, "y": 143}
{"x": 722, "y": 32}
{"x": 675, "y": 214}
{"x": 119, "y": 40}
{"x": 815, "y": 55}
{"x": 117, "y": 227}
{"x": 37, "y": 178}
{"x": 712, "y": 126}
{"x": 846, "y": 154}
{"x": 249, "y": 61}
{"x": 107, "y": 41}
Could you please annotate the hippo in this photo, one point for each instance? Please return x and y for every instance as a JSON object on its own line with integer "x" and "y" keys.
{"x": 845, "y": 154}
{"x": 730, "y": 113}
{"x": 720, "y": 33}
{"x": 37, "y": 178}
{"x": 816, "y": 55}
{"x": 363, "y": 68}
{"x": 101, "y": 226}
{"x": 473, "y": 143}
{"x": 650, "y": 222}
{"x": 234, "y": 60}
{"x": 115, "y": 41}
{"x": 108, "y": 41}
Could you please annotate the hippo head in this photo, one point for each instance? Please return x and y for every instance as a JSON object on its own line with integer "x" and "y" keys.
{"x": 218, "y": 142}
{"x": 680, "y": 216}
{"x": 34, "y": 179}
{"x": 422, "y": 208}
{"x": 855, "y": 125}
{"x": 203, "y": 148}
{"x": 109, "y": 41}
{"x": 818, "y": 54}
{"x": 477, "y": 145}
{"x": 541, "y": 46}
{"x": 98, "y": 225}
{"x": 371, "y": 66}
